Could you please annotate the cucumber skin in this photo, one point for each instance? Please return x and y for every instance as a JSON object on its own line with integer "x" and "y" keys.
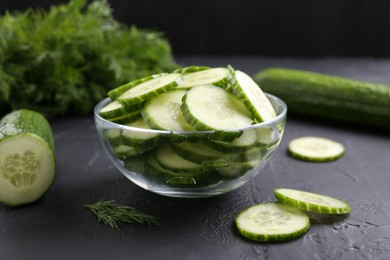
{"x": 26, "y": 121}
{"x": 329, "y": 97}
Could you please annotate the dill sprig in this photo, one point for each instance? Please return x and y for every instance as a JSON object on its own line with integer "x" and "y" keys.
{"x": 111, "y": 213}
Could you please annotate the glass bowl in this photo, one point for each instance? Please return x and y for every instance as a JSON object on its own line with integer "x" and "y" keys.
{"x": 191, "y": 164}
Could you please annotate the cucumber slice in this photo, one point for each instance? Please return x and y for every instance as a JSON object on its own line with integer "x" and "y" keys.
{"x": 244, "y": 142}
{"x": 209, "y": 107}
{"x": 215, "y": 76}
{"x": 191, "y": 69}
{"x": 150, "y": 89}
{"x": 127, "y": 118}
{"x": 114, "y": 110}
{"x": 138, "y": 138}
{"x": 237, "y": 169}
{"x": 124, "y": 151}
{"x": 116, "y": 92}
{"x": 167, "y": 158}
{"x": 163, "y": 112}
{"x": 201, "y": 154}
{"x": 312, "y": 202}
{"x": 113, "y": 136}
{"x": 253, "y": 97}
{"x": 27, "y": 159}
{"x": 315, "y": 149}
{"x": 272, "y": 222}
{"x": 171, "y": 177}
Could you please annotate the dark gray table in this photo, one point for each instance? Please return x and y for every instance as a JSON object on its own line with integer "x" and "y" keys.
{"x": 57, "y": 227}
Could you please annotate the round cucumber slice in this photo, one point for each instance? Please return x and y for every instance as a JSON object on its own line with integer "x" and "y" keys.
{"x": 191, "y": 69}
{"x": 312, "y": 202}
{"x": 315, "y": 149}
{"x": 214, "y": 76}
{"x": 150, "y": 89}
{"x": 208, "y": 107}
{"x": 163, "y": 112}
{"x": 253, "y": 97}
{"x": 138, "y": 138}
{"x": 271, "y": 222}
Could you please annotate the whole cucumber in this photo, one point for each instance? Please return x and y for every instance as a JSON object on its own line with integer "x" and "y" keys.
{"x": 326, "y": 96}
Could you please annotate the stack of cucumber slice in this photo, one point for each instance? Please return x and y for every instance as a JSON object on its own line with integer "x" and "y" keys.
{"x": 206, "y": 117}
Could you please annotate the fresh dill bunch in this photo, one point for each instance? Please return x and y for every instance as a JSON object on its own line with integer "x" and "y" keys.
{"x": 64, "y": 60}
{"x": 111, "y": 213}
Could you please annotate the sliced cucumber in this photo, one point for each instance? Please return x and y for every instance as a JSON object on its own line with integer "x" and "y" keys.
{"x": 209, "y": 107}
{"x": 113, "y": 136}
{"x": 237, "y": 169}
{"x": 315, "y": 149}
{"x": 172, "y": 177}
{"x": 191, "y": 69}
{"x": 127, "y": 118}
{"x": 138, "y": 138}
{"x": 312, "y": 202}
{"x": 27, "y": 160}
{"x": 244, "y": 142}
{"x": 116, "y": 92}
{"x": 200, "y": 154}
{"x": 253, "y": 97}
{"x": 271, "y": 222}
{"x": 170, "y": 160}
{"x": 215, "y": 76}
{"x": 150, "y": 89}
{"x": 163, "y": 112}
{"x": 124, "y": 151}
{"x": 114, "y": 110}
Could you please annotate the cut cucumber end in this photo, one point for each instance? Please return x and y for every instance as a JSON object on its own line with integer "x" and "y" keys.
{"x": 312, "y": 202}
{"x": 315, "y": 149}
{"x": 272, "y": 222}
{"x": 27, "y": 169}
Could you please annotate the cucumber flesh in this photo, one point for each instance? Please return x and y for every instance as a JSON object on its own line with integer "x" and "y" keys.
{"x": 163, "y": 112}
{"x": 271, "y": 222}
{"x": 315, "y": 149}
{"x": 312, "y": 202}
{"x": 27, "y": 161}
{"x": 209, "y": 107}
{"x": 137, "y": 138}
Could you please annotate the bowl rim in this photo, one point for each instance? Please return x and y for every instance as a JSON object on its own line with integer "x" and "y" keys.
{"x": 110, "y": 124}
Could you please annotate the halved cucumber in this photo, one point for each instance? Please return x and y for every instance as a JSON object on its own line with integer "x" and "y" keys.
{"x": 209, "y": 107}
{"x": 312, "y": 202}
{"x": 27, "y": 160}
{"x": 116, "y": 92}
{"x": 138, "y": 138}
{"x": 214, "y": 76}
{"x": 253, "y": 97}
{"x": 150, "y": 89}
{"x": 315, "y": 149}
{"x": 163, "y": 112}
{"x": 271, "y": 222}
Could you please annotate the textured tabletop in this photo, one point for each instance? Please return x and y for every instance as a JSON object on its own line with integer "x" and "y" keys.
{"x": 58, "y": 227}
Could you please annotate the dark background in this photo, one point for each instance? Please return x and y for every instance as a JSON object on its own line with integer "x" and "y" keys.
{"x": 300, "y": 28}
